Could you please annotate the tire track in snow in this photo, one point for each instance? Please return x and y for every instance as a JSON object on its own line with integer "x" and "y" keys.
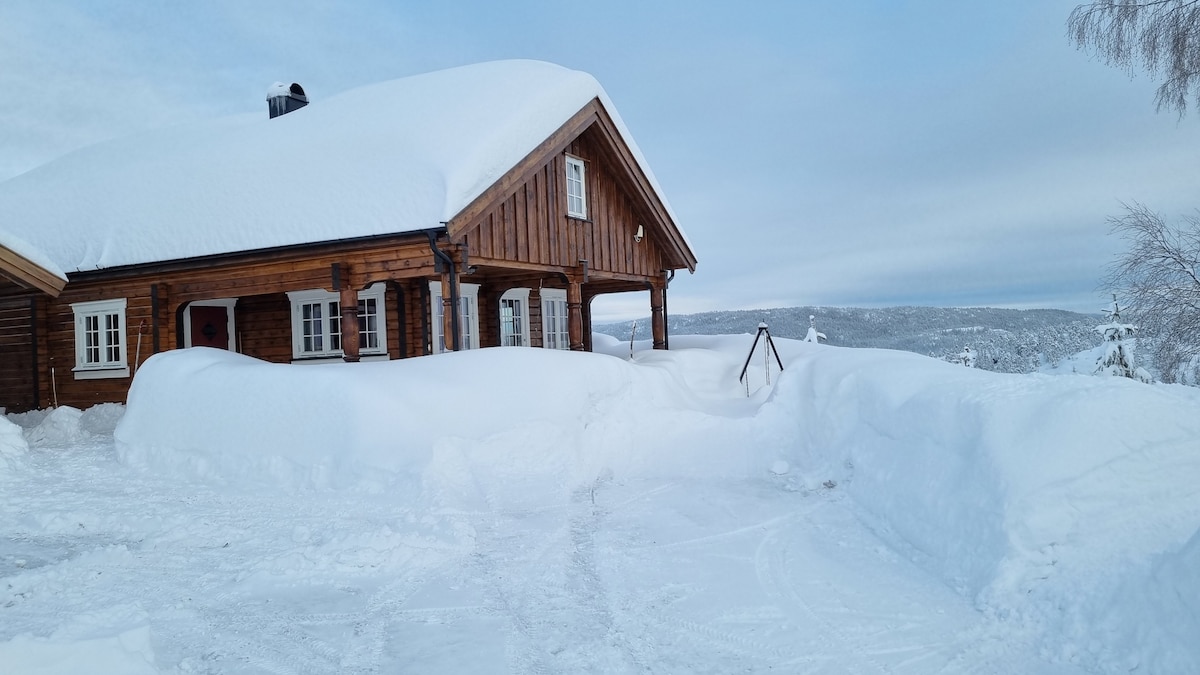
{"x": 770, "y": 563}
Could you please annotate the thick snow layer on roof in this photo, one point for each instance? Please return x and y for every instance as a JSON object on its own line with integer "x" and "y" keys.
{"x": 30, "y": 252}
{"x": 398, "y": 156}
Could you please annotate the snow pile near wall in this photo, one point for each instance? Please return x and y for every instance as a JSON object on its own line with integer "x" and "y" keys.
{"x": 517, "y": 421}
{"x": 58, "y": 428}
{"x": 12, "y": 444}
{"x": 1052, "y": 500}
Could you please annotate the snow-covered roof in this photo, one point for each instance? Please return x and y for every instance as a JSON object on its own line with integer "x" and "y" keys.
{"x": 398, "y": 156}
{"x": 28, "y": 266}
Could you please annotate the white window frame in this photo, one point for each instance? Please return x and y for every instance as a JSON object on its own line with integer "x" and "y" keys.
{"x": 520, "y": 298}
{"x": 328, "y": 300}
{"x": 110, "y": 341}
{"x": 556, "y": 328}
{"x": 576, "y": 188}
{"x": 468, "y": 323}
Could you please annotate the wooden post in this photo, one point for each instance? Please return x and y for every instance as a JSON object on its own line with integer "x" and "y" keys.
{"x": 658, "y": 323}
{"x": 575, "y": 314}
{"x": 154, "y": 316}
{"x": 348, "y": 298}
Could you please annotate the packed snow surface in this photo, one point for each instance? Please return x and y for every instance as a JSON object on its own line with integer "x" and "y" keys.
{"x": 521, "y": 510}
{"x": 398, "y": 156}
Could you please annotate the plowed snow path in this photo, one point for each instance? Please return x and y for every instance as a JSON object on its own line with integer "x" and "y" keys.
{"x": 635, "y": 577}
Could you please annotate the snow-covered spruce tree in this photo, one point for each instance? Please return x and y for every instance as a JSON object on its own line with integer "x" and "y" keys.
{"x": 1119, "y": 342}
{"x": 813, "y": 335}
{"x": 966, "y": 357}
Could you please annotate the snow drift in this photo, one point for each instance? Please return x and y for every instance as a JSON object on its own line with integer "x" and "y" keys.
{"x": 1065, "y": 506}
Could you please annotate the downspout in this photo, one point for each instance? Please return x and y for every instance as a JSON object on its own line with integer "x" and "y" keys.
{"x": 447, "y": 260}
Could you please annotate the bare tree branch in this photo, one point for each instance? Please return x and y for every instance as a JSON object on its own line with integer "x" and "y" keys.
{"x": 1159, "y": 276}
{"x": 1160, "y": 36}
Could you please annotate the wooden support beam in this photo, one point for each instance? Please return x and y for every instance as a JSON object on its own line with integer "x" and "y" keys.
{"x": 154, "y": 311}
{"x": 575, "y": 313}
{"x": 348, "y": 297}
{"x": 658, "y": 323}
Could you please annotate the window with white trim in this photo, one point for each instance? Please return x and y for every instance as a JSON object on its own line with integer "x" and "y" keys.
{"x": 555, "y": 332}
{"x": 317, "y": 323}
{"x": 576, "y": 188}
{"x": 514, "y": 318}
{"x": 468, "y": 316}
{"x": 100, "y": 346}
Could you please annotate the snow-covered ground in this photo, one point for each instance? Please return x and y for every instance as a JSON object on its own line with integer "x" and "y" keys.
{"x": 526, "y": 511}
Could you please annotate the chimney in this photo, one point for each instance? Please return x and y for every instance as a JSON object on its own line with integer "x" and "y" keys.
{"x": 282, "y": 99}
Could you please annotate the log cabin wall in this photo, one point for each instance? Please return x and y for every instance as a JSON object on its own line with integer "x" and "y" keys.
{"x": 415, "y": 295}
{"x": 530, "y": 225}
{"x": 264, "y": 327}
{"x": 261, "y": 315}
{"x": 18, "y": 381}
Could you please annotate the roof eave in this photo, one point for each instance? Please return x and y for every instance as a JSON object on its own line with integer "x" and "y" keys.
{"x": 28, "y": 274}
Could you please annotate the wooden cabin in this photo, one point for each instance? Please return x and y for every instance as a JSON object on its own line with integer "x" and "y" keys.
{"x": 476, "y": 207}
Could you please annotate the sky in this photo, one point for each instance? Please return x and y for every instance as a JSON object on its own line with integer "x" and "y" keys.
{"x": 866, "y": 154}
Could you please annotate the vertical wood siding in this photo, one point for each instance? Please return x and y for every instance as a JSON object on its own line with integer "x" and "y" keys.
{"x": 530, "y": 225}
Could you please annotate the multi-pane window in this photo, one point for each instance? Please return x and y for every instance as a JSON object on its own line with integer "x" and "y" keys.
{"x": 514, "y": 318}
{"x": 555, "y": 331}
{"x": 468, "y": 316}
{"x": 576, "y": 188}
{"x": 320, "y": 328}
{"x": 317, "y": 323}
{"x": 368, "y": 324}
{"x": 100, "y": 339}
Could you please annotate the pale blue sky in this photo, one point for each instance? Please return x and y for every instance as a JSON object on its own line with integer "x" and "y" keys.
{"x": 859, "y": 154}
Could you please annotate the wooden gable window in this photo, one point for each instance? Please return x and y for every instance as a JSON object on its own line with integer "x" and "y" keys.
{"x": 576, "y": 188}
{"x": 100, "y": 350}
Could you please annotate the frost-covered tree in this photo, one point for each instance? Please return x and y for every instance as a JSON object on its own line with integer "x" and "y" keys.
{"x": 813, "y": 335}
{"x": 966, "y": 357}
{"x": 1117, "y": 357}
{"x": 1160, "y": 36}
{"x": 1159, "y": 274}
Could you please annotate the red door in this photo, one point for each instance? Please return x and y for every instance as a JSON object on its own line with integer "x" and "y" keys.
{"x": 210, "y": 327}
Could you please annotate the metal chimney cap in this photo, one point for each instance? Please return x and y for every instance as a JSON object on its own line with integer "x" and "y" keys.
{"x": 293, "y": 90}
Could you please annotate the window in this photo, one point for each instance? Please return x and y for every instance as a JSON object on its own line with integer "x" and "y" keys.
{"x": 468, "y": 317}
{"x": 100, "y": 339}
{"x": 317, "y": 323}
{"x": 514, "y": 318}
{"x": 576, "y": 188}
{"x": 555, "y": 333}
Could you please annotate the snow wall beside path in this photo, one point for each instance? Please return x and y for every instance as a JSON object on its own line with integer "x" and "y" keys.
{"x": 1069, "y": 504}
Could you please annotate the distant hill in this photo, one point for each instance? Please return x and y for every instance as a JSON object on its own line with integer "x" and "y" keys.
{"x": 1004, "y": 340}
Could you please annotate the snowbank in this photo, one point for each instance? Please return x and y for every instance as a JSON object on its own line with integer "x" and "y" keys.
{"x": 12, "y": 444}
{"x": 1046, "y": 498}
{"x": 113, "y": 642}
{"x": 1065, "y": 506}
{"x": 519, "y": 421}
